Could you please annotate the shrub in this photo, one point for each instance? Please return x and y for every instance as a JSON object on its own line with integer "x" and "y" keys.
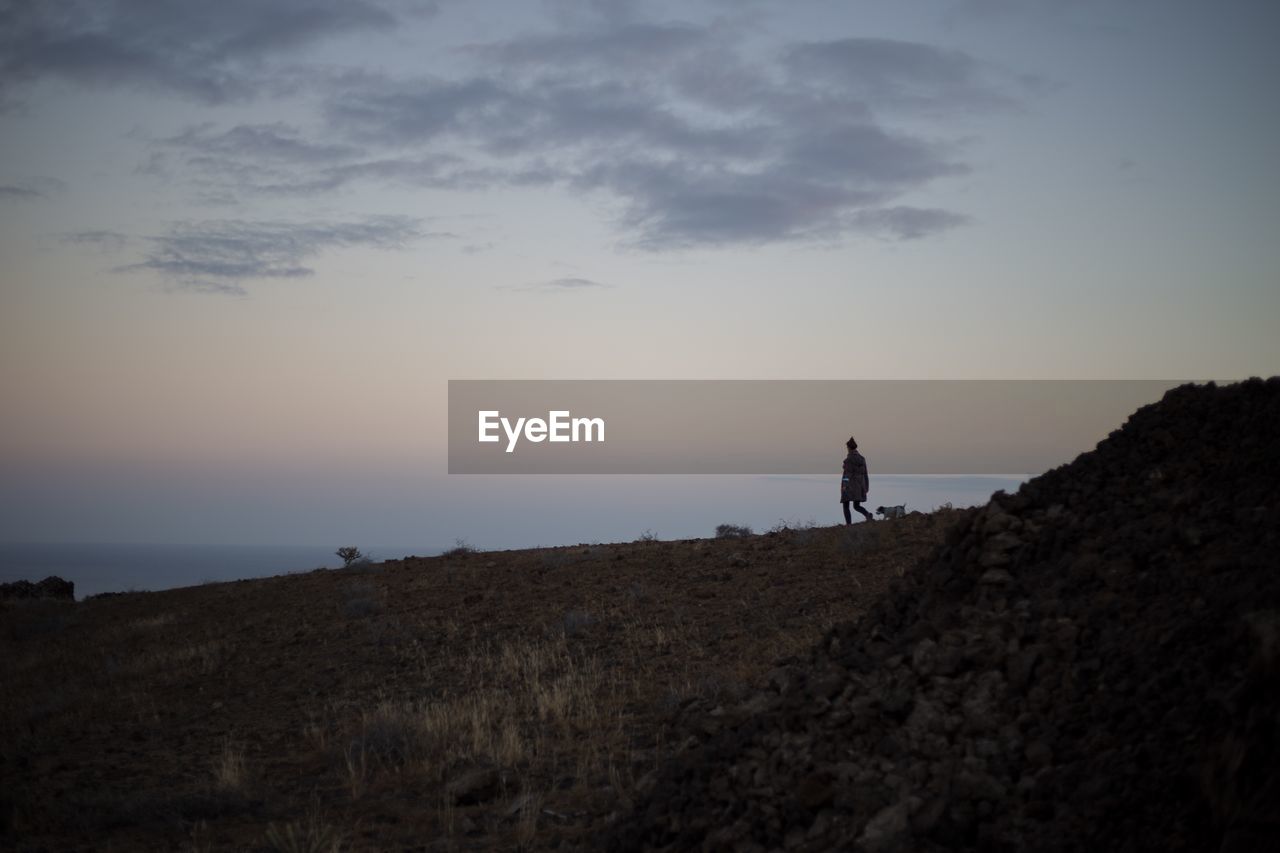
{"x": 349, "y": 554}
{"x": 648, "y": 536}
{"x": 459, "y": 548}
{"x": 731, "y": 531}
{"x": 785, "y": 525}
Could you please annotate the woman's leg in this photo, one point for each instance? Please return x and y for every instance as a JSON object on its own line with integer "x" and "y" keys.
{"x": 848, "y": 519}
{"x": 858, "y": 506}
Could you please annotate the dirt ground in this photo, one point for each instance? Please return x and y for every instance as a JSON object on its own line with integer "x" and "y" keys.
{"x": 482, "y": 700}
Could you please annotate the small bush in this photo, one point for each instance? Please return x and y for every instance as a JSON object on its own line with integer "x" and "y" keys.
{"x": 648, "y": 536}
{"x": 349, "y": 554}
{"x": 460, "y": 547}
{"x": 785, "y": 525}
{"x": 731, "y": 531}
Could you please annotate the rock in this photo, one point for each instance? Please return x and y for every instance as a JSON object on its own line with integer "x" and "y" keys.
{"x": 523, "y": 802}
{"x": 814, "y": 791}
{"x": 1039, "y": 754}
{"x": 926, "y": 718}
{"x": 996, "y": 551}
{"x": 1019, "y": 665}
{"x": 977, "y": 784}
{"x": 997, "y": 520}
{"x": 927, "y": 816}
{"x": 474, "y": 785}
{"x": 992, "y": 559}
{"x": 923, "y": 656}
{"x": 828, "y": 684}
{"x": 783, "y": 678}
{"x": 888, "y": 830}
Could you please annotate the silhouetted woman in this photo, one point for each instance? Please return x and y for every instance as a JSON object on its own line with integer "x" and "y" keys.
{"x": 855, "y": 482}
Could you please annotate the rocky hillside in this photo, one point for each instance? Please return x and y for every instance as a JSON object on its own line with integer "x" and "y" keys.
{"x": 1090, "y": 663}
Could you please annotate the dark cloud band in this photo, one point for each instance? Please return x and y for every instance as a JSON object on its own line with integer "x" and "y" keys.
{"x": 210, "y": 51}
{"x": 217, "y": 256}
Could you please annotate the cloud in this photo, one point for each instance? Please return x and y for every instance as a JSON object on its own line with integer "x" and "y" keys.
{"x": 816, "y": 187}
{"x": 1090, "y": 19}
{"x": 102, "y": 241}
{"x": 279, "y": 159}
{"x": 41, "y": 187}
{"x": 210, "y": 51}
{"x": 693, "y": 145}
{"x": 276, "y": 142}
{"x": 907, "y": 223}
{"x": 440, "y": 171}
{"x": 216, "y": 256}
{"x": 13, "y": 192}
{"x": 508, "y": 118}
{"x": 635, "y": 45}
{"x": 562, "y": 285}
{"x": 899, "y": 75}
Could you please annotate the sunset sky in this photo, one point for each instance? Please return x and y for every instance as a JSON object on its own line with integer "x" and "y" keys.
{"x": 244, "y": 245}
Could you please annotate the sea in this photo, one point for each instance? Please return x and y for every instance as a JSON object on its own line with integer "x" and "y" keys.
{"x": 122, "y": 567}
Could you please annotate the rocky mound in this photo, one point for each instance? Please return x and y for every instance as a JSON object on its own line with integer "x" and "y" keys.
{"x": 50, "y": 587}
{"x": 1090, "y": 663}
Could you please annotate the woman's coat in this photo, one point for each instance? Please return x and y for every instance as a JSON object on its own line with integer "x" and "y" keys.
{"x": 855, "y": 482}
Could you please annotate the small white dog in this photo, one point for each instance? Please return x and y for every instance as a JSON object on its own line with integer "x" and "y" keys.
{"x": 892, "y": 511}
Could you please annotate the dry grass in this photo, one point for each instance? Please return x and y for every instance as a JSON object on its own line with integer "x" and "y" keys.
{"x": 521, "y": 697}
{"x": 203, "y": 658}
{"x": 529, "y": 809}
{"x": 311, "y": 835}
{"x": 230, "y": 774}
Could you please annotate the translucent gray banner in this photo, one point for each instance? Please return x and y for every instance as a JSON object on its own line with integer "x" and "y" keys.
{"x": 782, "y": 426}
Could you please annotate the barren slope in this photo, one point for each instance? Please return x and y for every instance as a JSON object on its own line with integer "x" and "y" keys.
{"x": 475, "y": 701}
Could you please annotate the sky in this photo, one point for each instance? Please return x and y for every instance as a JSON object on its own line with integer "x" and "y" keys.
{"x": 245, "y": 245}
